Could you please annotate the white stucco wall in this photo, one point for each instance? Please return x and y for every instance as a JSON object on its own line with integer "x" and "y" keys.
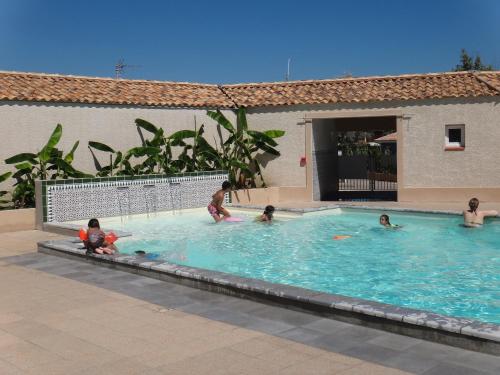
{"x": 26, "y": 127}
{"x": 426, "y": 164}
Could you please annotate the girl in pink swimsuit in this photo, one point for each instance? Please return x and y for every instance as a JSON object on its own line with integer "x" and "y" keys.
{"x": 215, "y": 208}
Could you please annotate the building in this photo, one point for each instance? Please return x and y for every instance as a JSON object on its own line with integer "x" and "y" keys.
{"x": 447, "y": 125}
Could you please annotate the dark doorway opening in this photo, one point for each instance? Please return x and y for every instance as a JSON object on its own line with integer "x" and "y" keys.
{"x": 355, "y": 158}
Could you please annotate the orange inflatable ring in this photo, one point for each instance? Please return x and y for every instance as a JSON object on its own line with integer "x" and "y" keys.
{"x": 340, "y": 237}
{"x": 83, "y": 234}
{"x": 110, "y": 238}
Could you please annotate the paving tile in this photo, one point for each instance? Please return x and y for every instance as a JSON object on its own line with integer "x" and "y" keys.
{"x": 371, "y": 352}
{"x": 26, "y": 329}
{"x": 300, "y": 334}
{"x": 7, "y": 339}
{"x": 453, "y": 369}
{"x": 326, "y": 325}
{"x": 27, "y": 355}
{"x": 8, "y": 369}
{"x": 219, "y": 361}
{"x": 412, "y": 362}
{"x": 371, "y": 369}
{"x": 485, "y": 362}
{"x": 256, "y": 346}
{"x": 322, "y": 365}
{"x": 287, "y": 356}
{"x": 122, "y": 366}
{"x": 291, "y": 317}
{"x": 396, "y": 342}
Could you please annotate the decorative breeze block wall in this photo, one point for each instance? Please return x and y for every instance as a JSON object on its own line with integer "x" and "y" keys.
{"x": 78, "y": 199}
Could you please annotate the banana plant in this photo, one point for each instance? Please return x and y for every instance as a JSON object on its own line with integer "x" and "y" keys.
{"x": 48, "y": 163}
{"x": 238, "y": 151}
{"x": 116, "y": 165}
{"x": 4, "y": 177}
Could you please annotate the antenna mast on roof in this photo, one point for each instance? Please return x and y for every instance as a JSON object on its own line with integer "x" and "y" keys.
{"x": 120, "y": 68}
{"x": 287, "y": 75}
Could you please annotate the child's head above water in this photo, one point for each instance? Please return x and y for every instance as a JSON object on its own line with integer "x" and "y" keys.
{"x": 269, "y": 211}
{"x": 226, "y": 185}
{"x": 384, "y": 220}
{"x": 94, "y": 223}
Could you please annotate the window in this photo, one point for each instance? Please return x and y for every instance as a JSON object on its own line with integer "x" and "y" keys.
{"x": 455, "y": 137}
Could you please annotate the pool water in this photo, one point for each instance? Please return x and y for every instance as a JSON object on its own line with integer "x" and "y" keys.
{"x": 431, "y": 263}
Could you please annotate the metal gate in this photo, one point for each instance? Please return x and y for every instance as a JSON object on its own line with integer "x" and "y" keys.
{"x": 367, "y": 176}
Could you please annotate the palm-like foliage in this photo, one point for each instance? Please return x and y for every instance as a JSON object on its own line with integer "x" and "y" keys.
{"x": 48, "y": 163}
{"x": 182, "y": 151}
{"x": 238, "y": 151}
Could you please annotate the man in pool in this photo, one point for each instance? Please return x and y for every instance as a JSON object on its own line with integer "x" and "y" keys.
{"x": 474, "y": 218}
{"x": 215, "y": 208}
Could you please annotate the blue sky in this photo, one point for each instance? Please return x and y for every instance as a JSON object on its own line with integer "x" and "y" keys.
{"x": 235, "y": 41}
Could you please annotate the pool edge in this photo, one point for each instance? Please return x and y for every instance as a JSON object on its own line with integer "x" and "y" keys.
{"x": 464, "y": 333}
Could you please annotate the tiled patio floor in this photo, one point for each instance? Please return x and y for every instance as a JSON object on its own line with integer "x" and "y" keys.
{"x": 60, "y": 316}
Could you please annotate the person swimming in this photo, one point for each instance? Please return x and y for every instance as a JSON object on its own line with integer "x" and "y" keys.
{"x": 385, "y": 221}
{"x": 474, "y": 218}
{"x": 267, "y": 215}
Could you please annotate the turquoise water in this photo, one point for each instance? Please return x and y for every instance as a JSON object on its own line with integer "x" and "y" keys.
{"x": 432, "y": 263}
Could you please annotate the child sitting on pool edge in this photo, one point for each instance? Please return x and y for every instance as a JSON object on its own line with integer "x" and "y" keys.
{"x": 96, "y": 242}
{"x": 385, "y": 221}
{"x": 215, "y": 208}
{"x": 267, "y": 215}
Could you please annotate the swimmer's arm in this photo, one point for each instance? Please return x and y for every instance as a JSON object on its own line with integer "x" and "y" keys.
{"x": 489, "y": 213}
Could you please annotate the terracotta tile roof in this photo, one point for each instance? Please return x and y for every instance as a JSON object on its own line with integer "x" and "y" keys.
{"x": 369, "y": 89}
{"x": 392, "y": 137}
{"x": 73, "y": 89}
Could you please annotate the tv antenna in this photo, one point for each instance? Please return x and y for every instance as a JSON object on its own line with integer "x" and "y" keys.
{"x": 121, "y": 66}
{"x": 287, "y": 75}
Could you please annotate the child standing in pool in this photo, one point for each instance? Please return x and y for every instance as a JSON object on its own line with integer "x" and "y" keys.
{"x": 474, "y": 218}
{"x": 215, "y": 207}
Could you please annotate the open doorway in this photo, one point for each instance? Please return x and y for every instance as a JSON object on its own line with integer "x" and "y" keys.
{"x": 355, "y": 158}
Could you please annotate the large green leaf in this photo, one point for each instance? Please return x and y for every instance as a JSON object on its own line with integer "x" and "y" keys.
{"x": 21, "y": 173}
{"x": 274, "y": 133}
{"x": 5, "y": 176}
{"x": 261, "y": 137}
{"x": 118, "y": 159}
{"x": 142, "y": 151}
{"x": 183, "y": 134}
{"x": 221, "y": 120}
{"x": 266, "y": 148}
{"x": 239, "y": 164}
{"x": 46, "y": 151}
{"x": 19, "y": 158}
{"x": 241, "y": 120}
{"x": 100, "y": 146}
{"x": 71, "y": 155}
{"x": 146, "y": 125}
{"x": 24, "y": 165}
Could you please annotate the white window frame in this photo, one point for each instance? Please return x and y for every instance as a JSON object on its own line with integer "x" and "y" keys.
{"x": 447, "y": 142}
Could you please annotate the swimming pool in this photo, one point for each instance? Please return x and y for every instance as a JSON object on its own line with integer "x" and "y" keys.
{"x": 432, "y": 263}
